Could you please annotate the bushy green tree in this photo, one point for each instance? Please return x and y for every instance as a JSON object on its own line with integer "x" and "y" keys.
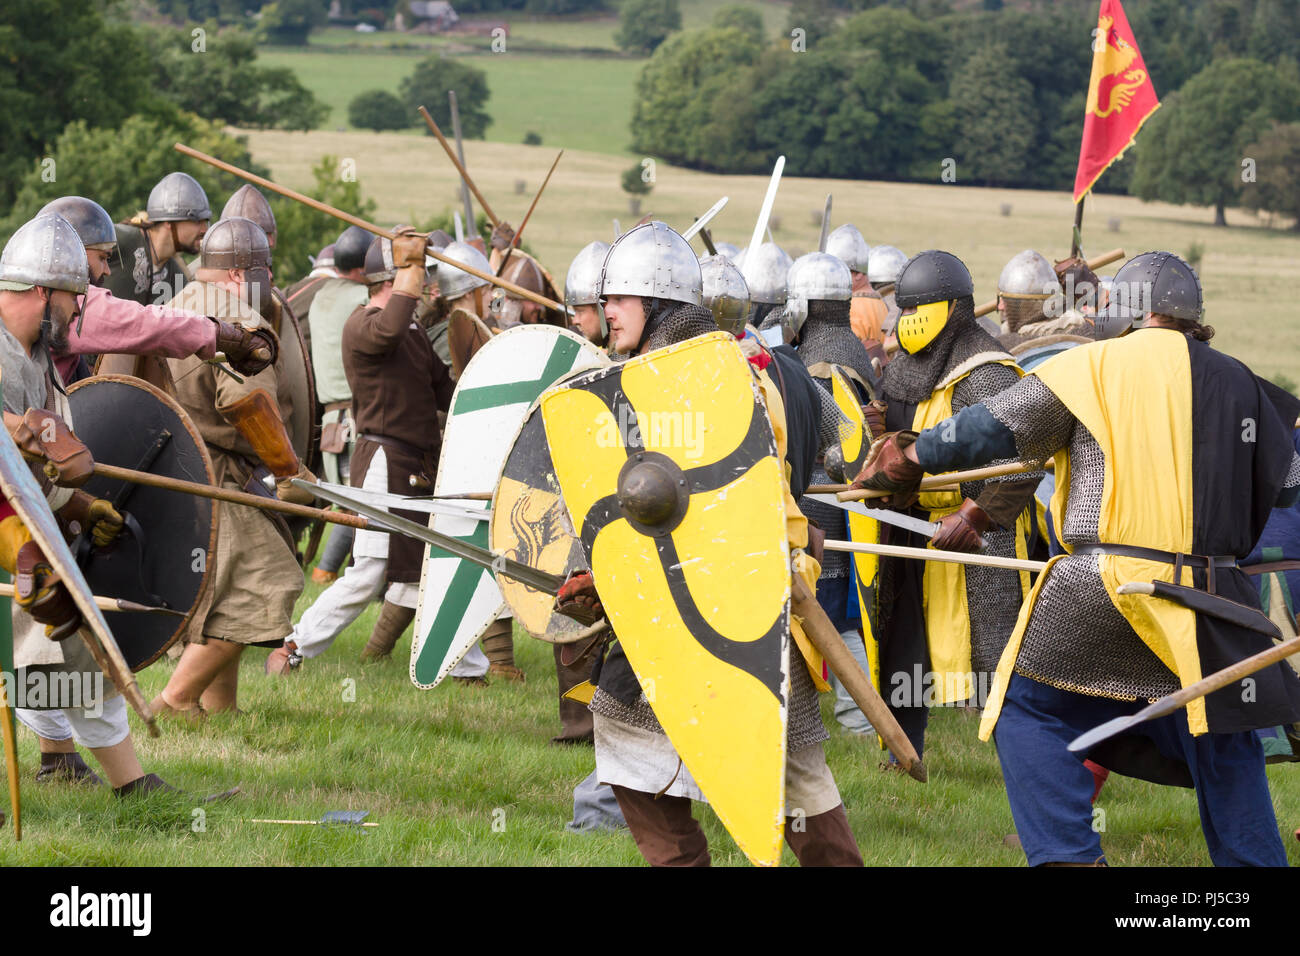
{"x": 634, "y": 182}
{"x": 118, "y": 167}
{"x": 815, "y": 18}
{"x": 378, "y": 110}
{"x": 1193, "y": 146}
{"x": 995, "y": 121}
{"x": 219, "y": 78}
{"x": 1276, "y": 170}
{"x": 679, "y": 87}
{"x": 290, "y": 21}
{"x": 745, "y": 19}
{"x": 645, "y": 24}
{"x": 302, "y": 231}
{"x": 428, "y": 87}
{"x": 61, "y": 61}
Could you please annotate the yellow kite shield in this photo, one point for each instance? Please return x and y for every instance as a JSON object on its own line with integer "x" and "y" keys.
{"x": 530, "y": 524}
{"x": 669, "y": 470}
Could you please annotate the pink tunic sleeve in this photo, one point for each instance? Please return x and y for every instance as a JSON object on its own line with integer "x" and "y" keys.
{"x": 123, "y": 325}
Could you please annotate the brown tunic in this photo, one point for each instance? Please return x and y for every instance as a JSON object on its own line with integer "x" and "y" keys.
{"x": 398, "y": 387}
{"x": 257, "y": 578}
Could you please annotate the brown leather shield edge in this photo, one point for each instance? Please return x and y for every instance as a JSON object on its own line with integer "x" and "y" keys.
{"x": 296, "y": 364}
{"x": 121, "y": 420}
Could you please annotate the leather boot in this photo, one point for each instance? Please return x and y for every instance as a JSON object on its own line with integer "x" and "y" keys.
{"x": 498, "y": 644}
{"x": 66, "y": 768}
{"x": 393, "y": 622}
{"x": 152, "y": 783}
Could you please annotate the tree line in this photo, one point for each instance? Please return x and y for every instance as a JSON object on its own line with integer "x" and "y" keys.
{"x": 921, "y": 92}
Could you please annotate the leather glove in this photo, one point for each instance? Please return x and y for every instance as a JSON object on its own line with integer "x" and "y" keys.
{"x": 105, "y": 522}
{"x": 43, "y": 434}
{"x": 40, "y": 592}
{"x": 502, "y": 235}
{"x": 248, "y": 351}
{"x": 578, "y": 599}
{"x": 888, "y": 469}
{"x": 873, "y": 414}
{"x": 292, "y": 493}
{"x": 962, "y": 530}
{"x": 408, "y": 248}
{"x": 95, "y": 516}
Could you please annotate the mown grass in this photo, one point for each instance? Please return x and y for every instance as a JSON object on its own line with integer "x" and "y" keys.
{"x": 438, "y": 769}
{"x": 555, "y": 97}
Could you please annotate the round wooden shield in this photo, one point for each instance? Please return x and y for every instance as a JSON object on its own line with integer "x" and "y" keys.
{"x": 458, "y": 600}
{"x": 163, "y": 555}
{"x": 295, "y": 365}
{"x": 531, "y": 525}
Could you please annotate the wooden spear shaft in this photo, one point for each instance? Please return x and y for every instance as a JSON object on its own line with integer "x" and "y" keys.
{"x": 110, "y": 604}
{"x": 936, "y": 482}
{"x": 1105, "y": 259}
{"x": 934, "y": 554}
{"x": 460, "y": 168}
{"x": 367, "y": 226}
{"x": 528, "y": 215}
{"x": 817, "y": 627}
{"x": 234, "y": 497}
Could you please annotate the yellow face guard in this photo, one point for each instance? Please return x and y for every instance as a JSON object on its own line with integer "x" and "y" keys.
{"x": 922, "y": 325}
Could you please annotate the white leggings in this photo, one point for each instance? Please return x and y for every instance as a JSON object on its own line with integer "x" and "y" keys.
{"x": 105, "y": 730}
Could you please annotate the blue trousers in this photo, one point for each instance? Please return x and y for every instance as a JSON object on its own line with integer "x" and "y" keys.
{"x": 1050, "y": 790}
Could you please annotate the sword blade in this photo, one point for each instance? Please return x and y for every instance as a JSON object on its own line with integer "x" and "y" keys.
{"x": 769, "y": 200}
{"x": 704, "y": 220}
{"x": 1180, "y": 698}
{"x": 381, "y": 499}
{"x": 826, "y": 225}
{"x": 897, "y": 519}
{"x": 497, "y": 563}
{"x": 460, "y": 154}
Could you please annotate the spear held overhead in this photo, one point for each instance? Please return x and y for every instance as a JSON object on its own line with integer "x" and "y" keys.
{"x": 367, "y": 226}
{"x": 528, "y": 215}
{"x": 460, "y": 167}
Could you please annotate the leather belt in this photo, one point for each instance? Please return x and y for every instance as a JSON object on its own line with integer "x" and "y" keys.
{"x": 419, "y": 453}
{"x": 338, "y": 406}
{"x": 1178, "y": 560}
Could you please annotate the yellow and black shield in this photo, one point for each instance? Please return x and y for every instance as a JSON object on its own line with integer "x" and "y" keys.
{"x": 668, "y": 466}
{"x": 529, "y": 524}
{"x": 854, "y": 443}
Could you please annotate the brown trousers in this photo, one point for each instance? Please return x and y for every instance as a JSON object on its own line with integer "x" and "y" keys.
{"x": 667, "y": 834}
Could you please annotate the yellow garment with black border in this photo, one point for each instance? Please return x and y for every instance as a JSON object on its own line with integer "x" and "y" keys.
{"x": 1137, "y": 430}
{"x": 796, "y": 527}
{"x": 947, "y": 616}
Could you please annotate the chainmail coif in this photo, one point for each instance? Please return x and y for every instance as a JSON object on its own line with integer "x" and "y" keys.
{"x": 669, "y": 322}
{"x": 912, "y": 378}
{"x": 827, "y": 336}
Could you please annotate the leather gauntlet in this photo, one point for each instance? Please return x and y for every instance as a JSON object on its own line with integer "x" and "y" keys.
{"x": 68, "y": 463}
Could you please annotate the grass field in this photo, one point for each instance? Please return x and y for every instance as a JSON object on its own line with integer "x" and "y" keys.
{"x": 1248, "y": 271}
{"x": 552, "y": 96}
{"x": 436, "y": 769}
